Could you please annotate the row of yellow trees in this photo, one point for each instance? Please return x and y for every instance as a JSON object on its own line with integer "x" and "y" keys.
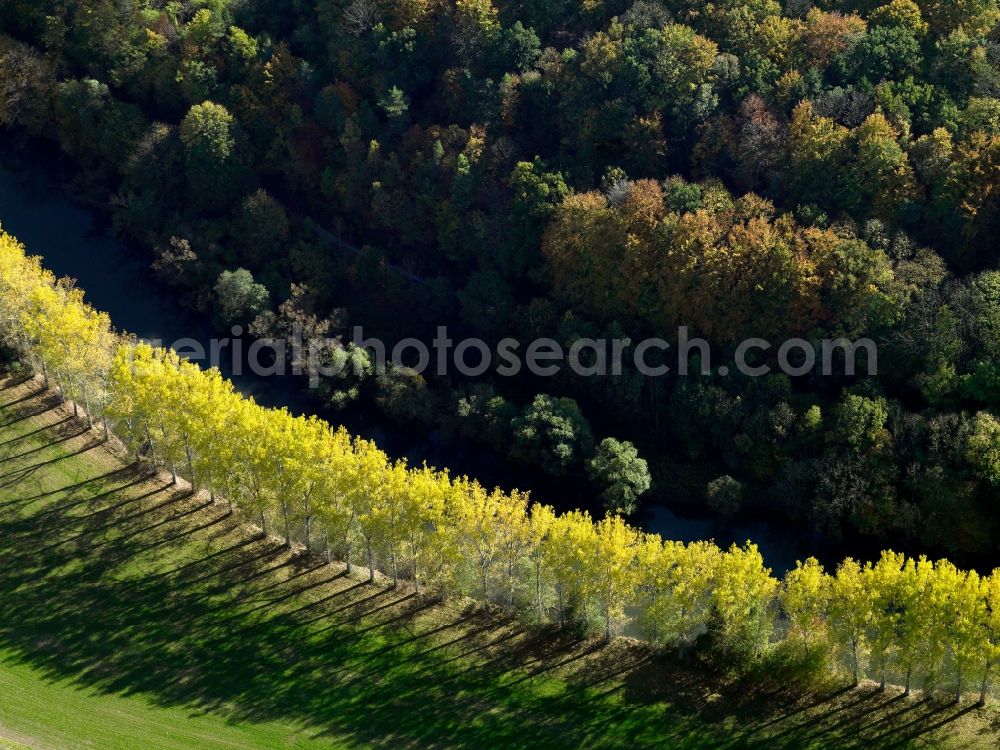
{"x": 900, "y": 619}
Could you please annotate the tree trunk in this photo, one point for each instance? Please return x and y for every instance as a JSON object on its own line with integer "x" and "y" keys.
{"x": 909, "y": 675}
{"x": 263, "y": 523}
{"x": 416, "y": 573}
{"x": 655, "y": 634}
{"x": 190, "y": 460}
{"x": 308, "y": 529}
{"x": 86, "y": 404}
{"x": 607, "y": 614}
{"x": 857, "y": 665}
{"x": 288, "y": 529}
{"x": 371, "y": 560}
{"x": 759, "y": 635}
{"x": 958, "y": 687}
{"x": 985, "y": 686}
{"x": 510, "y": 584}
{"x": 538, "y": 588}
{"x": 107, "y": 430}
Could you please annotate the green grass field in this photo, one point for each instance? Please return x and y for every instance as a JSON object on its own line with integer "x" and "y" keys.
{"x": 136, "y": 616}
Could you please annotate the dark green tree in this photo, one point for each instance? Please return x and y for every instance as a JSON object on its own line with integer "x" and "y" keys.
{"x": 553, "y": 435}
{"x": 238, "y": 297}
{"x": 621, "y": 474}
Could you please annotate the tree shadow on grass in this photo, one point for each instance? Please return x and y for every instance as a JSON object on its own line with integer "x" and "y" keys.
{"x": 917, "y": 726}
{"x": 138, "y": 478}
{"x": 124, "y": 470}
{"x": 16, "y": 476}
{"x": 11, "y": 380}
{"x": 53, "y": 443}
{"x": 269, "y": 551}
{"x": 38, "y": 431}
{"x": 190, "y": 607}
{"x": 866, "y": 724}
{"x": 32, "y": 396}
{"x": 805, "y": 706}
{"x": 291, "y": 561}
{"x": 874, "y": 702}
{"x": 39, "y": 407}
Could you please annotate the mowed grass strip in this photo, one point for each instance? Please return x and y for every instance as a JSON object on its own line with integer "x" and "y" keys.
{"x": 138, "y": 615}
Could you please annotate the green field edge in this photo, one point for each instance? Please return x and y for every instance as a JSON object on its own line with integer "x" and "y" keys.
{"x": 137, "y": 615}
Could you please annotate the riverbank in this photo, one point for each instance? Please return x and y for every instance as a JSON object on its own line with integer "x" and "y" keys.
{"x": 38, "y": 206}
{"x": 137, "y": 616}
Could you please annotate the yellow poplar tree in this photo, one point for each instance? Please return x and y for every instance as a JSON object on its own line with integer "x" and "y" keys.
{"x": 805, "y": 597}
{"x": 614, "y": 571}
{"x": 850, "y": 611}
{"x": 991, "y": 627}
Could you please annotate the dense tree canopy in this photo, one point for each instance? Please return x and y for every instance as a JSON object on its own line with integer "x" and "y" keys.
{"x": 550, "y": 169}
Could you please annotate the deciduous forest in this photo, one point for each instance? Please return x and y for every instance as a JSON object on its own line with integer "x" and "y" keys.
{"x": 816, "y": 169}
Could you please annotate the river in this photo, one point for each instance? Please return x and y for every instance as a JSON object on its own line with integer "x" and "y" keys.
{"x": 37, "y": 207}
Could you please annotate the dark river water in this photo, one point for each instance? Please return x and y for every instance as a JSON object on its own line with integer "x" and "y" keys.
{"x": 37, "y": 207}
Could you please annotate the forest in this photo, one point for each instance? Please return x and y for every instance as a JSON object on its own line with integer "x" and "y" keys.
{"x": 814, "y": 169}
